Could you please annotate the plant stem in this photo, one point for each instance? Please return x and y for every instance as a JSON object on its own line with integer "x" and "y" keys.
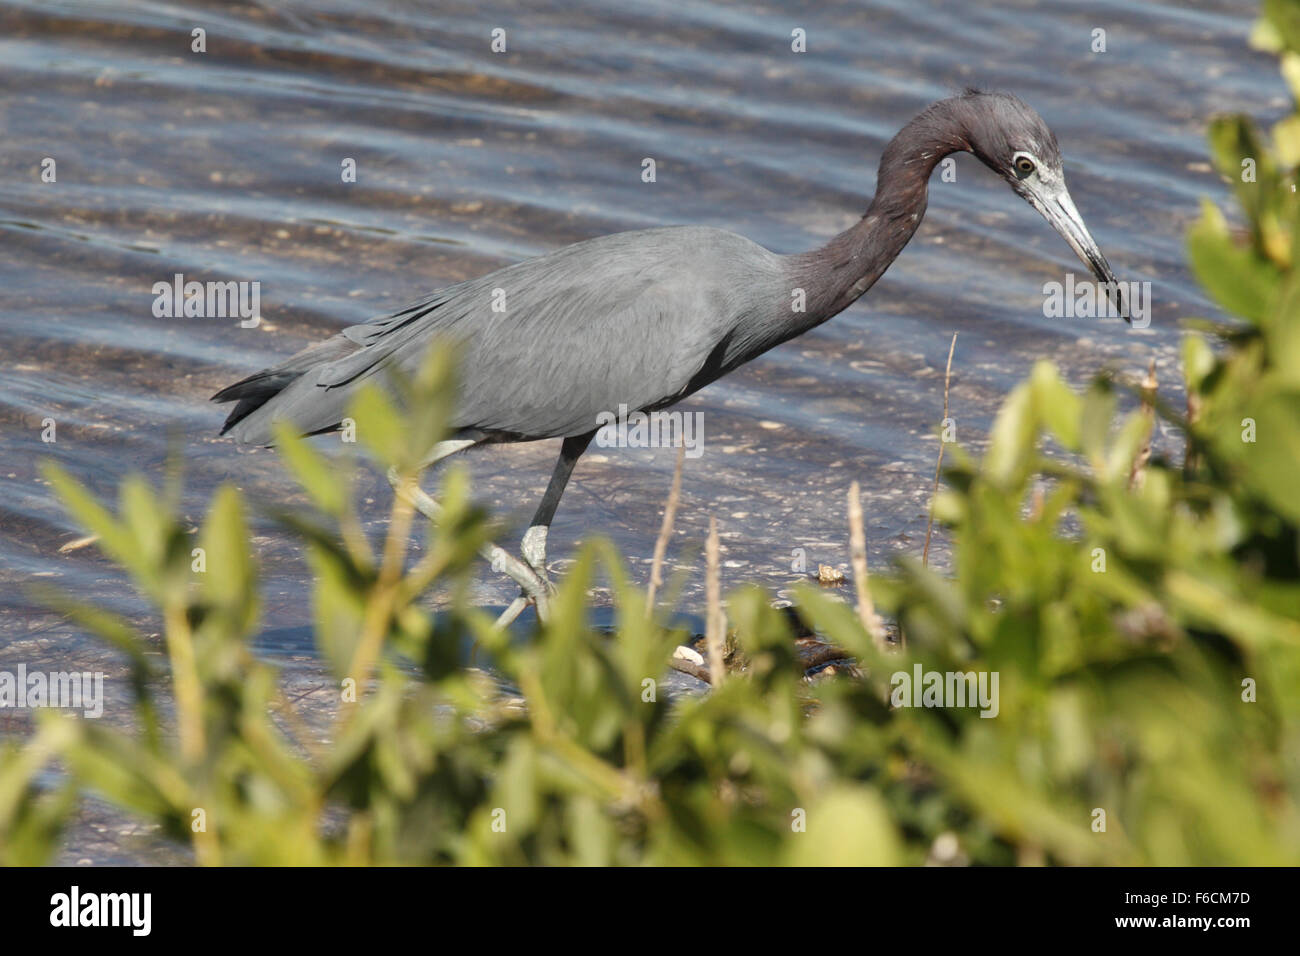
{"x": 938, "y": 465}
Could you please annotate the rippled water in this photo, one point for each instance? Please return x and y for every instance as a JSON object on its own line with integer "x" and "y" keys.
{"x": 226, "y": 165}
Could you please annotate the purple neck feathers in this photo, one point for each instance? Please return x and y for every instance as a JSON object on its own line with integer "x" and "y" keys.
{"x": 838, "y": 273}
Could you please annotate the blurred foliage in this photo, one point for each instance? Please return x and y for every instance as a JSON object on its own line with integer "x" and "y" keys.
{"x": 1143, "y": 618}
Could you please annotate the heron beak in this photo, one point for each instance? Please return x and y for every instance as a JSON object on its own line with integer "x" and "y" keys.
{"x": 1058, "y": 209}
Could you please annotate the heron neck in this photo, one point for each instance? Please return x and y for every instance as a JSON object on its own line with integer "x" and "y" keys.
{"x": 840, "y": 272}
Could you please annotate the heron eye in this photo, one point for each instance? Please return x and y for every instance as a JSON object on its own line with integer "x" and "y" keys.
{"x": 1024, "y": 165}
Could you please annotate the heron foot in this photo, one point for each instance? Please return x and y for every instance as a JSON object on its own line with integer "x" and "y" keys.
{"x": 536, "y": 589}
{"x": 533, "y": 548}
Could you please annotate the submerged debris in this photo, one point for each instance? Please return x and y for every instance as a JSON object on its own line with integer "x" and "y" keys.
{"x": 829, "y": 576}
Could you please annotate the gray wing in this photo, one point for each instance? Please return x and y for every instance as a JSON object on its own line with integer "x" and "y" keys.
{"x": 637, "y": 319}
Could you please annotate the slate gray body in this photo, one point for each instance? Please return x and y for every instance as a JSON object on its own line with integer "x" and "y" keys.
{"x": 636, "y": 318}
{"x": 645, "y": 318}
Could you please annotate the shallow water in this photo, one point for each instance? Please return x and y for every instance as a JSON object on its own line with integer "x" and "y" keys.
{"x": 226, "y": 165}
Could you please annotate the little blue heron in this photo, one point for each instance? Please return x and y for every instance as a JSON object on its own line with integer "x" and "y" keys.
{"x": 643, "y": 319}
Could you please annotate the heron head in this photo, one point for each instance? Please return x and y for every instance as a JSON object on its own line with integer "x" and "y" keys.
{"x": 1011, "y": 139}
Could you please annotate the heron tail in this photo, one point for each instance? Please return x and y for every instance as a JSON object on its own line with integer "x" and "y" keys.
{"x": 265, "y": 397}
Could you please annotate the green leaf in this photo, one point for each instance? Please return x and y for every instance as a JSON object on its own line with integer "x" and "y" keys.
{"x": 317, "y": 476}
{"x": 380, "y": 427}
{"x": 1011, "y": 442}
{"x": 114, "y": 540}
{"x": 1057, "y": 404}
{"x": 230, "y": 581}
{"x": 1240, "y": 281}
{"x": 848, "y": 826}
{"x": 1270, "y": 462}
{"x": 1198, "y": 361}
{"x": 1283, "y": 25}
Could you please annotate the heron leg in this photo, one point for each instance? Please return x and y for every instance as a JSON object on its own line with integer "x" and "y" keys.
{"x": 533, "y": 547}
{"x": 533, "y": 586}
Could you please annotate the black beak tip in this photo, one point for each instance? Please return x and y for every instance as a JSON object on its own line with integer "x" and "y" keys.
{"x": 1114, "y": 288}
{"x": 1121, "y": 303}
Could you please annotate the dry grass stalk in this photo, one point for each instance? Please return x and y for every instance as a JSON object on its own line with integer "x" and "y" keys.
{"x": 858, "y": 555}
{"x": 78, "y": 544}
{"x": 716, "y": 630}
{"x": 665, "y": 532}
{"x": 691, "y": 668}
{"x": 938, "y": 465}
